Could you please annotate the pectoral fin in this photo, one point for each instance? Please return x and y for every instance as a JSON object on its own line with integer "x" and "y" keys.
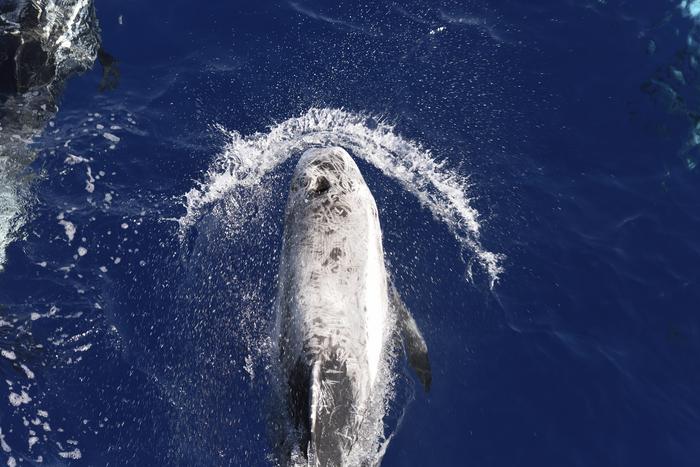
{"x": 413, "y": 342}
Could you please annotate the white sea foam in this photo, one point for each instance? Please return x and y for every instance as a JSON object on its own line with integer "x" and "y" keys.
{"x": 29, "y": 373}
{"x": 691, "y": 8}
{"x": 3, "y": 443}
{"x": 19, "y": 399}
{"x": 9, "y": 207}
{"x": 74, "y": 454}
{"x": 90, "y": 181}
{"x": 68, "y": 227}
{"x": 69, "y": 25}
{"x": 111, "y": 137}
{"x": 440, "y": 188}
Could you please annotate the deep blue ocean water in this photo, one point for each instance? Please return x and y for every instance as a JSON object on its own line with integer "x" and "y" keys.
{"x": 575, "y": 126}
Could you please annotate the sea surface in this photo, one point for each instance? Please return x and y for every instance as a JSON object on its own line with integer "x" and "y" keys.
{"x": 535, "y": 165}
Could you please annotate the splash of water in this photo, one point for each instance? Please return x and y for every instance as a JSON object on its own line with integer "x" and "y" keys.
{"x": 442, "y": 190}
{"x": 9, "y": 207}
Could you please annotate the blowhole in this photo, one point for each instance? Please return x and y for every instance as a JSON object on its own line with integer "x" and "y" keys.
{"x": 322, "y": 185}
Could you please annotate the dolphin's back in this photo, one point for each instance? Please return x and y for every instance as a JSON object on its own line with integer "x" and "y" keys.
{"x": 333, "y": 276}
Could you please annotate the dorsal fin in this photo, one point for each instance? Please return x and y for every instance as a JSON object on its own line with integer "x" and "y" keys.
{"x": 321, "y": 399}
{"x": 414, "y": 344}
{"x": 333, "y": 409}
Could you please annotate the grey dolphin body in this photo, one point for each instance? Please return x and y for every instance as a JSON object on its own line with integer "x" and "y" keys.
{"x": 337, "y": 310}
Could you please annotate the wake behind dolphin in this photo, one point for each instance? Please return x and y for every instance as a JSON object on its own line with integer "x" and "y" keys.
{"x": 334, "y": 319}
{"x": 247, "y": 159}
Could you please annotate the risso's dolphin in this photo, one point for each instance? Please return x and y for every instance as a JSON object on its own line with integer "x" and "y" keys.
{"x": 337, "y": 311}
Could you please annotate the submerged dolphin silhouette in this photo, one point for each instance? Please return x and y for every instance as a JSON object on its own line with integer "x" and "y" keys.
{"x": 337, "y": 307}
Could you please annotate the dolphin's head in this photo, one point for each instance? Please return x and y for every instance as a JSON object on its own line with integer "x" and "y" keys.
{"x": 323, "y": 172}
{"x": 327, "y": 187}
